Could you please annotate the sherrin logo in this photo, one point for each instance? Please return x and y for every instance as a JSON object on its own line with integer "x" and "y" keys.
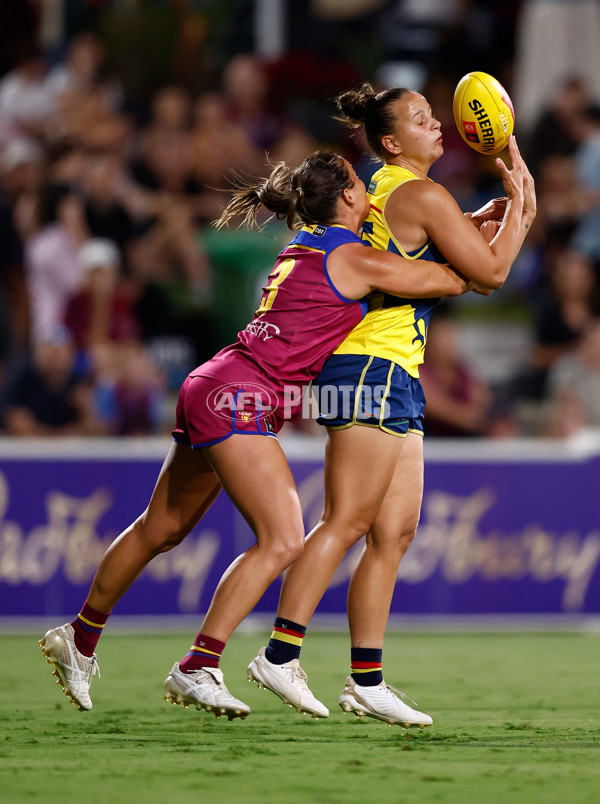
{"x": 243, "y": 401}
{"x": 485, "y": 124}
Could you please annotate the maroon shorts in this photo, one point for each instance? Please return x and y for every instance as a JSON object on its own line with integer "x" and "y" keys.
{"x": 225, "y": 397}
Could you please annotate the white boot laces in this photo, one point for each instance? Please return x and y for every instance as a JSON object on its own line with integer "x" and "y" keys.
{"x": 401, "y": 694}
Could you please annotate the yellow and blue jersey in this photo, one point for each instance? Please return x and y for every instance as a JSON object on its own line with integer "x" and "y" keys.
{"x": 394, "y": 328}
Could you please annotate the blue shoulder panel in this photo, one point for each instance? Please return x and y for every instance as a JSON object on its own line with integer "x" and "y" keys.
{"x": 324, "y": 238}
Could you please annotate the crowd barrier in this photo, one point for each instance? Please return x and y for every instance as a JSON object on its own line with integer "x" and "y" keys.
{"x": 506, "y": 528}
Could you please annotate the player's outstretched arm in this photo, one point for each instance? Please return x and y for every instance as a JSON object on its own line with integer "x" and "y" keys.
{"x": 356, "y": 270}
{"x": 430, "y": 208}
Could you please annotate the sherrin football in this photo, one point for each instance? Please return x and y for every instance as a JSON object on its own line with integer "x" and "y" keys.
{"x": 483, "y": 113}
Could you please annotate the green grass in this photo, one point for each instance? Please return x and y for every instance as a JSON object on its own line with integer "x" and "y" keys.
{"x": 516, "y": 718}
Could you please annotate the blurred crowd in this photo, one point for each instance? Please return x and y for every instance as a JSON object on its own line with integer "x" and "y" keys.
{"x": 106, "y": 294}
{"x": 107, "y": 285}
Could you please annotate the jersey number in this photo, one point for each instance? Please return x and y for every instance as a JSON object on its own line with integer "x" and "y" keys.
{"x": 276, "y": 278}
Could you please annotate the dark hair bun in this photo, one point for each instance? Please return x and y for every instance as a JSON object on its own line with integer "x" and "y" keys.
{"x": 354, "y": 103}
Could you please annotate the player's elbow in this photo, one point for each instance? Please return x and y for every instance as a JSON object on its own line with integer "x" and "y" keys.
{"x": 493, "y": 279}
{"x": 492, "y": 284}
{"x": 499, "y": 279}
{"x": 499, "y": 273}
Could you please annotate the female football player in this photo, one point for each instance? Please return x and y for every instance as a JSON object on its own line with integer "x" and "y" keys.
{"x": 312, "y": 300}
{"x": 374, "y": 453}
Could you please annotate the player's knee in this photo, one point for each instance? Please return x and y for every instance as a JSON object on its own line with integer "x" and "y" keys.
{"x": 395, "y": 539}
{"x": 405, "y": 538}
{"x": 161, "y": 537}
{"x": 171, "y": 540}
{"x": 288, "y": 549}
{"x": 349, "y": 529}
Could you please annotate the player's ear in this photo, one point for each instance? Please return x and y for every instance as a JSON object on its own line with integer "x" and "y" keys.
{"x": 391, "y": 144}
{"x": 351, "y": 196}
{"x": 347, "y": 195}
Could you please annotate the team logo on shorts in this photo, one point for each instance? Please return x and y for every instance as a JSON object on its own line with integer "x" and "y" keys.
{"x": 242, "y": 402}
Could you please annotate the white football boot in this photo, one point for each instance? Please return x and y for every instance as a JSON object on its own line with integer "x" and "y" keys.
{"x": 381, "y": 702}
{"x": 72, "y": 669}
{"x": 288, "y": 681}
{"x": 204, "y": 689}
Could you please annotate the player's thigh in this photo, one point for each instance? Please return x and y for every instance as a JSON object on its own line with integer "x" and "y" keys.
{"x": 359, "y": 467}
{"x": 398, "y": 515}
{"x": 185, "y": 489}
{"x": 256, "y": 475}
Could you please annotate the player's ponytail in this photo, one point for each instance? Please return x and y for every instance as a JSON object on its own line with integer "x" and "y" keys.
{"x": 275, "y": 193}
{"x": 307, "y": 194}
{"x": 363, "y": 106}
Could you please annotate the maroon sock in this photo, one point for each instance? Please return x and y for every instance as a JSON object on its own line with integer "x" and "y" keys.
{"x": 205, "y": 652}
{"x": 88, "y": 628}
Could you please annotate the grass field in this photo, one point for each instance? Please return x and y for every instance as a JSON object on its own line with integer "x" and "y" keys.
{"x": 516, "y": 718}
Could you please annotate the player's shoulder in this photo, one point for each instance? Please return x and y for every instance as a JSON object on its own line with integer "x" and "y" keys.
{"x": 324, "y": 237}
{"x": 420, "y": 191}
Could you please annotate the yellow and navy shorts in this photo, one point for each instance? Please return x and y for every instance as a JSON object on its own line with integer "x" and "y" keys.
{"x": 371, "y": 391}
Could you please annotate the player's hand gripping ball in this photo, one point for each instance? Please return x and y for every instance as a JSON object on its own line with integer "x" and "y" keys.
{"x": 483, "y": 113}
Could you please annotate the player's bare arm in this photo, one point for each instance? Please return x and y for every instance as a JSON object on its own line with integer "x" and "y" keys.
{"x": 357, "y": 270}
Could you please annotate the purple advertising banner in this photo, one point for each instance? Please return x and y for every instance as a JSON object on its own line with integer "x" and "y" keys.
{"x": 503, "y": 530}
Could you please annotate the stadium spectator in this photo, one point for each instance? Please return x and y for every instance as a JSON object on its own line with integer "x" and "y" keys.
{"x": 560, "y": 201}
{"x": 81, "y": 72}
{"x": 89, "y": 118}
{"x": 46, "y": 395}
{"x": 170, "y": 256}
{"x": 14, "y": 304}
{"x": 554, "y": 132}
{"x": 458, "y": 402}
{"x": 220, "y": 148}
{"x": 25, "y": 101}
{"x": 245, "y": 90}
{"x": 574, "y": 385}
{"x": 22, "y": 177}
{"x": 587, "y": 168}
{"x": 566, "y": 305}
{"x": 21, "y": 163}
{"x": 106, "y": 213}
{"x": 101, "y": 311}
{"x": 52, "y": 262}
{"x": 168, "y": 252}
{"x": 164, "y": 145}
{"x": 294, "y": 145}
{"x": 129, "y": 391}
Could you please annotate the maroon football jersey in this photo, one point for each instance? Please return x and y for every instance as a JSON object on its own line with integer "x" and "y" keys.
{"x": 302, "y": 318}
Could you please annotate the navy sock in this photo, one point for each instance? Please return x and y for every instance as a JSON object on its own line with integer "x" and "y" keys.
{"x": 366, "y": 666}
{"x": 286, "y": 641}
